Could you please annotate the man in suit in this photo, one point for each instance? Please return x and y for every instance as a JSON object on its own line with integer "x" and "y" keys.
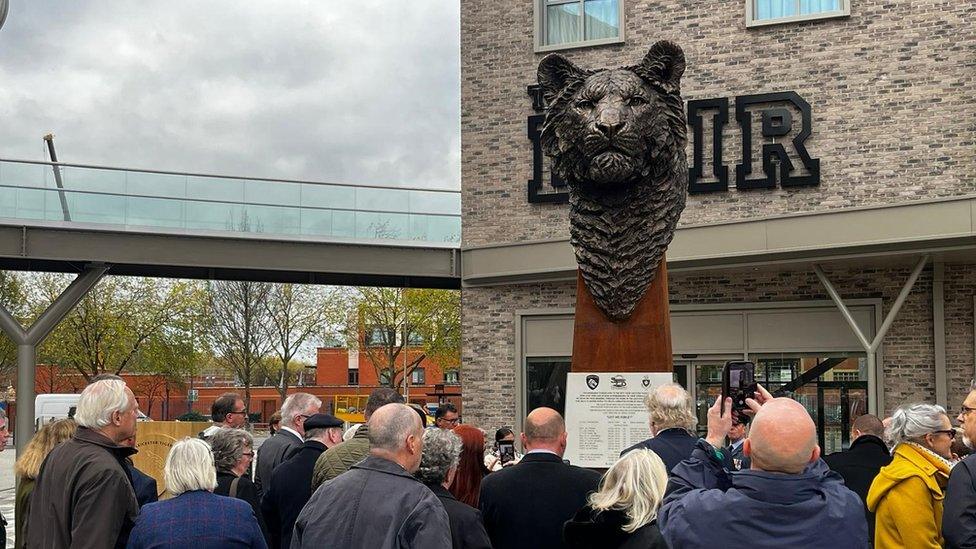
{"x": 672, "y": 421}
{"x": 291, "y": 482}
{"x": 860, "y": 463}
{"x": 297, "y": 408}
{"x": 737, "y": 435}
{"x": 525, "y": 505}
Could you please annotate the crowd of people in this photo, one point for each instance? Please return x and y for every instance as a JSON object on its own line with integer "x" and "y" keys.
{"x": 756, "y": 476}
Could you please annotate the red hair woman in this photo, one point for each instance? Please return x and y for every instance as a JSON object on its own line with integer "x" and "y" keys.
{"x": 471, "y": 467}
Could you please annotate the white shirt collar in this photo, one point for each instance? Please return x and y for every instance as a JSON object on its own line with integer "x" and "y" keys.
{"x": 294, "y": 432}
{"x": 542, "y": 451}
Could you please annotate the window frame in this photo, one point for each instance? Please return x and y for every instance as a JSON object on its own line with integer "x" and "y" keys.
{"x": 539, "y": 24}
{"x": 752, "y": 22}
{"x": 456, "y": 377}
{"x": 422, "y": 376}
{"x": 349, "y": 376}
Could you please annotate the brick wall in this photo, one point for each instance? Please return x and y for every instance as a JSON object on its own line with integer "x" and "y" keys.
{"x": 892, "y": 90}
{"x": 908, "y": 348}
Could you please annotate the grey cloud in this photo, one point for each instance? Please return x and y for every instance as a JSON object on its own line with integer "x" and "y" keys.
{"x": 363, "y": 91}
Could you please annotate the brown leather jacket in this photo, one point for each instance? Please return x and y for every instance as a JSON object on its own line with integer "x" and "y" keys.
{"x": 83, "y": 497}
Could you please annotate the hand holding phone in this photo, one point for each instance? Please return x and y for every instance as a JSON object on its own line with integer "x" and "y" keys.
{"x": 739, "y": 384}
{"x": 506, "y": 452}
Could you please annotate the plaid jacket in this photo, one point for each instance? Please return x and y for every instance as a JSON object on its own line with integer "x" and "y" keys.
{"x": 197, "y": 520}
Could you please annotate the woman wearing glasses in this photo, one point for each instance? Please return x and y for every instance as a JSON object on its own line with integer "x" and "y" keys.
{"x": 907, "y": 494}
{"x": 233, "y": 451}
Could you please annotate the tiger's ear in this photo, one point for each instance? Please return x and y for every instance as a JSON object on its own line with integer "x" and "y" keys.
{"x": 555, "y": 73}
{"x": 664, "y": 64}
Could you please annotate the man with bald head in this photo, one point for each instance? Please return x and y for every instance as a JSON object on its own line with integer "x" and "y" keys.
{"x": 525, "y": 505}
{"x": 788, "y": 498}
{"x": 378, "y": 503}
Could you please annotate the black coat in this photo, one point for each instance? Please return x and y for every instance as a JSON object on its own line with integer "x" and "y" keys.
{"x": 672, "y": 445}
{"x": 245, "y": 491}
{"x": 588, "y": 530}
{"x": 959, "y": 507}
{"x": 859, "y": 464}
{"x": 525, "y": 505}
{"x": 288, "y": 492}
{"x": 271, "y": 454}
{"x": 144, "y": 486}
{"x": 467, "y": 528}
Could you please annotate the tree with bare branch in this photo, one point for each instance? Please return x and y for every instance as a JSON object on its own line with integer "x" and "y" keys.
{"x": 239, "y": 328}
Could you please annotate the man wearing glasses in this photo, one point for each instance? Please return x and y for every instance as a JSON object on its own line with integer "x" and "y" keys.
{"x": 446, "y": 416}
{"x": 959, "y": 514}
{"x": 227, "y": 411}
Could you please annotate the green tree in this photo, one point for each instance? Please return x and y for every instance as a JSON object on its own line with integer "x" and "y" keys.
{"x": 239, "y": 333}
{"x": 389, "y": 322}
{"x": 118, "y": 326}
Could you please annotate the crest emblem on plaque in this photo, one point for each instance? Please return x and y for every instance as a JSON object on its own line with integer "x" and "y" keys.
{"x": 592, "y": 381}
{"x": 646, "y": 382}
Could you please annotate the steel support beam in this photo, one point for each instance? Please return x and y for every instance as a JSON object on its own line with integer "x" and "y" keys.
{"x": 939, "y": 333}
{"x": 28, "y": 340}
{"x": 871, "y": 348}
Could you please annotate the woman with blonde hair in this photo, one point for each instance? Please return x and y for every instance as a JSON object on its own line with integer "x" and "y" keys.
{"x": 622, "y": 513}
{"x": 906, "y": 496}
{"x": 29, "y": 466}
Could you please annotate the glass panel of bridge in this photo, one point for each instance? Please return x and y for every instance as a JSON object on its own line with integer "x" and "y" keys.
{"x": 91, "y": 180}
{"x": 89, "y": 207}
{"x": 271, "y": 220}
{"x": 153, "y": 212}
{"x": 384, "y": 200}
{"x": 382, "y": 226}
{"x": 214, "y": 188}
{"x": 316, "y": 222}
{"x": 155, "y": 184}
{"x": 24, "y": 175}
{"x": 23, "y": 203}
{"x": 328, "y": 196}
{"x": 435, "y": 202}
{"x": 214, "y": 216}
{"x": 344, "y": 223}
{"x": 272, "y": 192}
{"x": 443, "y": 228}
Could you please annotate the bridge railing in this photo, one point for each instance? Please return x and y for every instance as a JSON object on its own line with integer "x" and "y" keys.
{"x": 207, "y": 204}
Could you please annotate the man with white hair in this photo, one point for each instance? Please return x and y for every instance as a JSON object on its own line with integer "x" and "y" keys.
{"x": 83, "y": 496}
{"x": 290, "y": 436}
{"x": 672, "y": 420}
{"x": 788, "y": 498}
{"x": 378, "y": 503}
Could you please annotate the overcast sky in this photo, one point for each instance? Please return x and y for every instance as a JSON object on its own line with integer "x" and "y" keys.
{"x": 358, "y": 92}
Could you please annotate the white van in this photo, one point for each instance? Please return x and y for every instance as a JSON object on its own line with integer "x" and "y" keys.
{"x": 50, "y": 407}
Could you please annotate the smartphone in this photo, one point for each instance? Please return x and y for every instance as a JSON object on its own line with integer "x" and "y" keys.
{"x": 739, "y": 383}
{"x": 506, "y": 452}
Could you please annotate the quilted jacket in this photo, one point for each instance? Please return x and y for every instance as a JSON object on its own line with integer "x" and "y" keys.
{"x": 340, "y": 458}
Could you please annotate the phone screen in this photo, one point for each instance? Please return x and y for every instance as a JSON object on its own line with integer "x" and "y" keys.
{"x": 738, "y": 383}
{"x": 506, "y": 451}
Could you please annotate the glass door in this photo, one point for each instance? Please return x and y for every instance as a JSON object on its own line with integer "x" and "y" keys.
{"x": 705, "y": 383}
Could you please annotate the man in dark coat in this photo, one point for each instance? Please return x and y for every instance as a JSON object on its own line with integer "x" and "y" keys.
{"x": 378, "y": 503}
{"x": 297, "y": 408}
{"x": 737, "y": 438}
{"x": 789, "y": 498}
{"x": 525, "y": 505}
{"x": 959, "y": 510}
{"x": 860, "y": 463}
{"x": 291, "y": 482}
{"x": 672, "y": 421}
{"x": 83, "y": 496}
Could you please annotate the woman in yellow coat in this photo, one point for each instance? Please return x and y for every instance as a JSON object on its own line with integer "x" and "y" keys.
{"x": 907, "y": 494}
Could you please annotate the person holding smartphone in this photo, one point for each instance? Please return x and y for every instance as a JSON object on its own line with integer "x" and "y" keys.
{"x": 503, "y": 452}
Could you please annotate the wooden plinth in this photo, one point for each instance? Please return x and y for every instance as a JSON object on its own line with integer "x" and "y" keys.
{"x": 642, "y": 343}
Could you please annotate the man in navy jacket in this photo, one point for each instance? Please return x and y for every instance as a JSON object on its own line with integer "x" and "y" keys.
{"x": 673, "y": 421}
{"x": 789, "y": 498}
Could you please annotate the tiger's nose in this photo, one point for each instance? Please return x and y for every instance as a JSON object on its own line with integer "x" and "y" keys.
{"x": 609, "y": 122}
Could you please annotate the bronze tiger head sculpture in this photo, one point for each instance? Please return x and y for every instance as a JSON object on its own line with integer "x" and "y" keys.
{"x": 617, "y": 137}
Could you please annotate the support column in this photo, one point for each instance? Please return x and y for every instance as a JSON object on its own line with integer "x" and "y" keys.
{"x": 938, "y": 333}
{"x": 871, "y": 348}
{"x": 28, "y": 340}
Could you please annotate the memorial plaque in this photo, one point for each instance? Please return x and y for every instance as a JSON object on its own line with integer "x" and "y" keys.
{"x": 605, "y": 413}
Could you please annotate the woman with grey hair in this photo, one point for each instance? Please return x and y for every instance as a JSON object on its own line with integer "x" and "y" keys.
{"x": 233, "y": 452}
{"x": 194, "y": 517}
{"x": 907, "y": 494}
{"x": 438, "y": 465}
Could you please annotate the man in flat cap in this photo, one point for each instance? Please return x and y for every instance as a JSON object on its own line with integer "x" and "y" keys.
{"x": 291, "y": 482}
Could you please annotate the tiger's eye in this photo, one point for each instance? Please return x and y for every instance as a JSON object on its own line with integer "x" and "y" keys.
{"x": 584, "y": 104}
{"x": 636, "y": 101}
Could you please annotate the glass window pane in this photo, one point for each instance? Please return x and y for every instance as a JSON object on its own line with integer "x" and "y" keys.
{"x": 545, "y": 383}
{"x": 90, "y": 179}
{"x": 439, "y": 203}
{"x": 601, "y": 19}
{"x": 272, "y": 192}
{"x": 818, "y": 6}
{"x": 155, "y": 184}
{"x": 344, "y": 224}
{"x": 562, "y": 24}
{"x": 215, "y": 188}
{"x": 154, "y": 212}
{"x": 774, "y": 9}
{"x": 382, "y": 226}
{"x": 214, "y": 216}
{"x": 328, "y": 196}
{"x": 317, "y": 222}
{"x": 25, "y": 175}
{"x": 91, "y": 208}
{"x": 271, "y": 220}
{"x": 384, "y": 200}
